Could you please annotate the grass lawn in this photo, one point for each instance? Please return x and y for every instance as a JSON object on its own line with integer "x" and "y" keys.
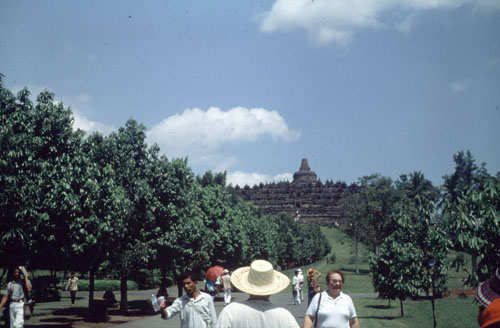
{"x": 453, "y": 311}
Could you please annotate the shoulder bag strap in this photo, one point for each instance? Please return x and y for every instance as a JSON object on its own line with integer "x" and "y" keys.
{"x": 317, "y": 309}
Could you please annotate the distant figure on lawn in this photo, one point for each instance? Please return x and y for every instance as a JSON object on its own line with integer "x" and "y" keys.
{"x": 296, "y": 288}
{"x": 260, "y": 281}
{"x": 488, "y": 296}
{"x": 72, "y": 286}
{"x": 196, "y": 308}
{"x": 312, "y": 284}
{"x": 301, "y": 284}
{"x": 226, "y": 285}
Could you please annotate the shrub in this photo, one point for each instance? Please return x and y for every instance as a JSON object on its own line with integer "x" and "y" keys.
{"x": 332, "y": 258}
{"x": 45, "y": 289}
{"x": 83, "y": 285}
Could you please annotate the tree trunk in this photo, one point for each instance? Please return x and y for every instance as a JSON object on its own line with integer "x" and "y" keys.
{"x": 91, "y": 284}
{"x": 473, "y": 262}
{"x": 123, "y": 292}
{"x": 433, "y": 297}
{"x": 163, "y": 276}
{"x": 179, "y": 289}
{"x": 433, "y": 310}
{"x": 356, "y": 249}
{"x": 402, "y": 310}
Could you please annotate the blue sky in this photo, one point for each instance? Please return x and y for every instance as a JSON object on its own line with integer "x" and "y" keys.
{"x": 252, "y": 87}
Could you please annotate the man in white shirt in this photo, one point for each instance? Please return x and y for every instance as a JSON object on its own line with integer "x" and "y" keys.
{"x": 296, "y": 288}
{"x": 15, "y": 293}
{"x": 260, "y": 281}
{"x": 195, "y": 307}
{"x": 301, "y": 284}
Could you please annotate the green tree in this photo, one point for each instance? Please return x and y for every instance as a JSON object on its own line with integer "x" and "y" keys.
{"x": 38, "y": 199}
{"x": 104, "y": 205}
{"x": 374, "y": 203}
{"x": 461, "y": 213}
{"x": 394, "y": 270}
{"x": 131, "y": 161}
{"x": 414, "y": 257}
{"x": 474, "y": 220}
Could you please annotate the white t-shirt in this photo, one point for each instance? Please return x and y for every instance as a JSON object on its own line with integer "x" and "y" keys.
{"x": 333, "y": 312}
{"x": 255, "y": 313}
{"x": 295, "y": 283}
{"x": 301, "y": 278}
{"x": 194, "y": 313}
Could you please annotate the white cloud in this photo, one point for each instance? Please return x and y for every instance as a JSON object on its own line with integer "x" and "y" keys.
{"x": 336, "y": 21}
{"x": 459, "y": 86}
{"x": 89, "y": 126}
{"x": 242, "y": 178}
{"x": 80, "y": 100}
{"x": 406, "y": 24}
{"x": 201, "y": 134}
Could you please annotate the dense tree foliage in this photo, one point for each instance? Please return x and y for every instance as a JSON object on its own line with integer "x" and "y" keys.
{"x": 75, "y": 202}
{"x": 413, "y": 258}
{"x": 368, "y": 210}
{"x": 70, "y": 202}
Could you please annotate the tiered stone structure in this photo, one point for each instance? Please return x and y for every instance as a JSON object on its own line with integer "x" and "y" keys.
{"x": 306, "y": 198}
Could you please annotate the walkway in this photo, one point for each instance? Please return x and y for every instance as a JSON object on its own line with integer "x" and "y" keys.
{"x": 61, "y": 314}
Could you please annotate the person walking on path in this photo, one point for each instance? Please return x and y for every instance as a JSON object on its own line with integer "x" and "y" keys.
{"x": 296, "y": 288}
{"x": 196, "y": 308}
{"x": 16, "y": 293}
{"x": 332, "y": 308}
{"x": 72, "y": 286}
{"x": 312, "y": 284}
{"x": 301, "y": 284}
{"x": 259, "y": 280}
{"x": 226, "y": 285}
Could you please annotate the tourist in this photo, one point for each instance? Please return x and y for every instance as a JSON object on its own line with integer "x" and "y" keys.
{"x": 195, "y": 307}
{"x": 226, "y": 285}
{"x": 259, "y": 280}
{"x": 312, "y": 284}
{"x": 210, "y": 288}
{"x": 332, "y": 308}
{"x": 16, "y": 293}
{"x": 72, "y": 286}
{"x": 296, "y": 288}
{"x": 301, "y": 284}
{"x": 488, "y": 296}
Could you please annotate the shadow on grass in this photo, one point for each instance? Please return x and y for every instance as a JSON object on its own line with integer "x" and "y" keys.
{"x": 72, "y": 311}
{"x": 379, "y": 307}
{"x": 386, "y": 317}
{"x": 361, "y": 271}
{"x": 48, "y": 325}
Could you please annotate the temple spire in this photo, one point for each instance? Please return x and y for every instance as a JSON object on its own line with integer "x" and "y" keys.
{"x": 304, "y": 174}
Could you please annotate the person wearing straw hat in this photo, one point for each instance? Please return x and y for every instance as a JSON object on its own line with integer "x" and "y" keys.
{"x": 259, "y": 280}
{"x": 488, "y": 296}
{"x": 312, "y": 284}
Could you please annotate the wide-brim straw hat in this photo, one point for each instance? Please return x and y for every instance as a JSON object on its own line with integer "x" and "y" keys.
{"x": 259, "y": 279}
{"x": 489, "y": 290}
